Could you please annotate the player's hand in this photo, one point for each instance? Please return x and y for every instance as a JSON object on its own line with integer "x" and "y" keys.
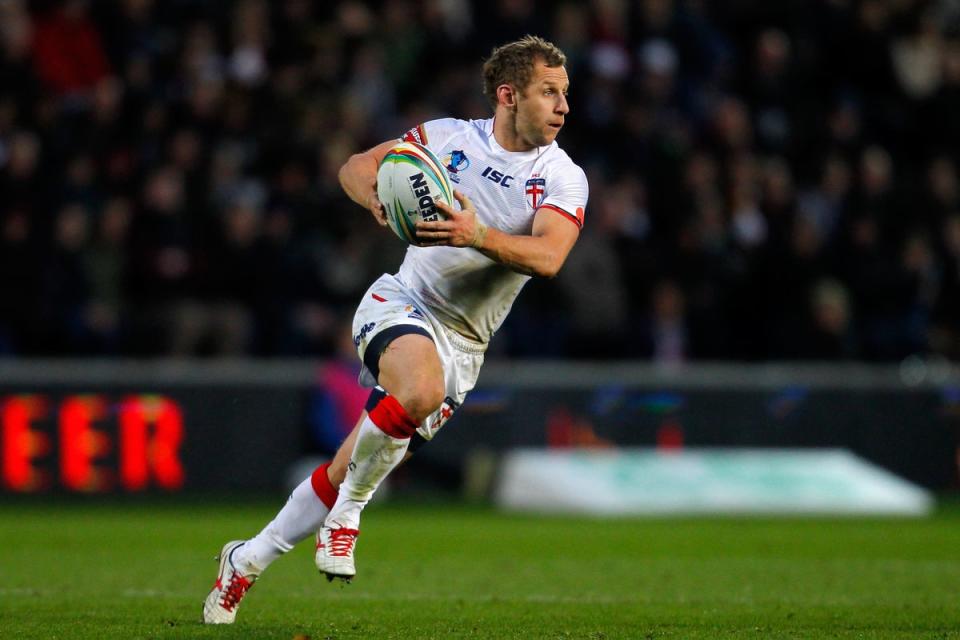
{"x": 376, "y": 208}
{"x": 459, "y": 229}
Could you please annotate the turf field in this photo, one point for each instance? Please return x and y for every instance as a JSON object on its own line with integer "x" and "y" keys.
{"x": 448, "y": 571}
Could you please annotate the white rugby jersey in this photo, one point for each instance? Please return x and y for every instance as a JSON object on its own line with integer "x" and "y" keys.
{"x": 467, "y": 291}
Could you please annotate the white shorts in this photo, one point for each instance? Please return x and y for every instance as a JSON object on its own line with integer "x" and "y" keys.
{"x": 389, "y": 310}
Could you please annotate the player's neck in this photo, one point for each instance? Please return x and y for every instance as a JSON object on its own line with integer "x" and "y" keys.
{"x": 506, "y": 134}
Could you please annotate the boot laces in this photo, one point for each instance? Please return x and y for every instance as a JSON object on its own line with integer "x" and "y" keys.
{"x": 341, "y": 541}
{"x": 236, "y": 589}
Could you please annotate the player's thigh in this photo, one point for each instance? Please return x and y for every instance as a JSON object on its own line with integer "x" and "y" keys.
{"x": 411, "y": 371}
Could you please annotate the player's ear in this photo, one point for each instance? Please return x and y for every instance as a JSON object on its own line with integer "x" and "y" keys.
{"x": 507, "y": 96}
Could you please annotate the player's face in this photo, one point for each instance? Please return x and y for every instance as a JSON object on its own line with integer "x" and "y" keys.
{"x": 542, "y": 106}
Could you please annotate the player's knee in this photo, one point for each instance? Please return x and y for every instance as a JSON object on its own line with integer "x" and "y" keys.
{"x": 423, "y": 399}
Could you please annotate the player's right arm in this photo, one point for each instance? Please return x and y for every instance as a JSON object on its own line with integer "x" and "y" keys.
{"x": 541, "y": 253}
{"x": 358, "y": 177}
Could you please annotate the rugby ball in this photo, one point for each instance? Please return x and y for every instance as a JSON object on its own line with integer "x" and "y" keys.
{"x": 410, "y": 181}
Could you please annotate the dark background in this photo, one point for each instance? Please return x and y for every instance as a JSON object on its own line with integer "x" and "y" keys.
{"x": 768, "y": 180}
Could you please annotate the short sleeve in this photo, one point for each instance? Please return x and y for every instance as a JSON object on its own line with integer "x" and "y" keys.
{"x": 432, "y": 134}
{"x": 566, "y": 193}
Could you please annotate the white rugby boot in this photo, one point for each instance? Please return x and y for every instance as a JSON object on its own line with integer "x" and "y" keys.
{"x": 334, "y": 555}
{"x": 221, "y": 604}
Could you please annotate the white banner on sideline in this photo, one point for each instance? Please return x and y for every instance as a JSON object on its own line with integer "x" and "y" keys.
{"x": 704, "y": 481}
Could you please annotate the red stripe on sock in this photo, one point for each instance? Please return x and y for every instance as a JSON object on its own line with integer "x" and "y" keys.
{"x": 391, "y": 418}
{"x": 322, "y": 487}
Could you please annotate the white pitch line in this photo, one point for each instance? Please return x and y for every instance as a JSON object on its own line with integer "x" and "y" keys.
{"x": 25, "y": 591}
{"x": 407, "y": 597}
{"x": 345, "y": 594}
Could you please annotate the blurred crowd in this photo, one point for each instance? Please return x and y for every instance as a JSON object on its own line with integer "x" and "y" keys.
{"x": 769, "y": 180}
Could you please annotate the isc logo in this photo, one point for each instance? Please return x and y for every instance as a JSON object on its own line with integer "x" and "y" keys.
{"x": 497, "y": 176}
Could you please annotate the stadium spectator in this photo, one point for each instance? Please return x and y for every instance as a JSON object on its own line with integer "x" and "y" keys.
{"x": 68, "y": 51}
{"x": 745, "y": 134}
{"x": 105, "y": 262}
{"x": 830, "y": 334}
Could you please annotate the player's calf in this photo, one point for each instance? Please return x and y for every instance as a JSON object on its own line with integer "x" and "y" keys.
{"x": 381, "y": 444}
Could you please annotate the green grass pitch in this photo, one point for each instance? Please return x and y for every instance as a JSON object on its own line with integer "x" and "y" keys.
{"x": 80, "y": 571}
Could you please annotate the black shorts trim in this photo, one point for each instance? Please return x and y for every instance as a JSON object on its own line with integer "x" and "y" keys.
{"x": 371, "y": 357}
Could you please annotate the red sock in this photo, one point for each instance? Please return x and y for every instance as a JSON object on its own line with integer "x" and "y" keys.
{"x": 391, "y": 418}
{"x": 322, "y": 487}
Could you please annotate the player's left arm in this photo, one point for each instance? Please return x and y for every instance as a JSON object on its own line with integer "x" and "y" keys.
{"x": 540, "y": 254}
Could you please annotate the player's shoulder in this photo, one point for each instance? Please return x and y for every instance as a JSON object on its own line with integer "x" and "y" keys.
{"x": 457, "y": 125}
{"x": 441, "y": 129}
{"x": 558, "y": 162}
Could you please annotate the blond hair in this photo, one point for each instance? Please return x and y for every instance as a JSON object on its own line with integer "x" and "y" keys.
{"x": 513, "y": 64}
